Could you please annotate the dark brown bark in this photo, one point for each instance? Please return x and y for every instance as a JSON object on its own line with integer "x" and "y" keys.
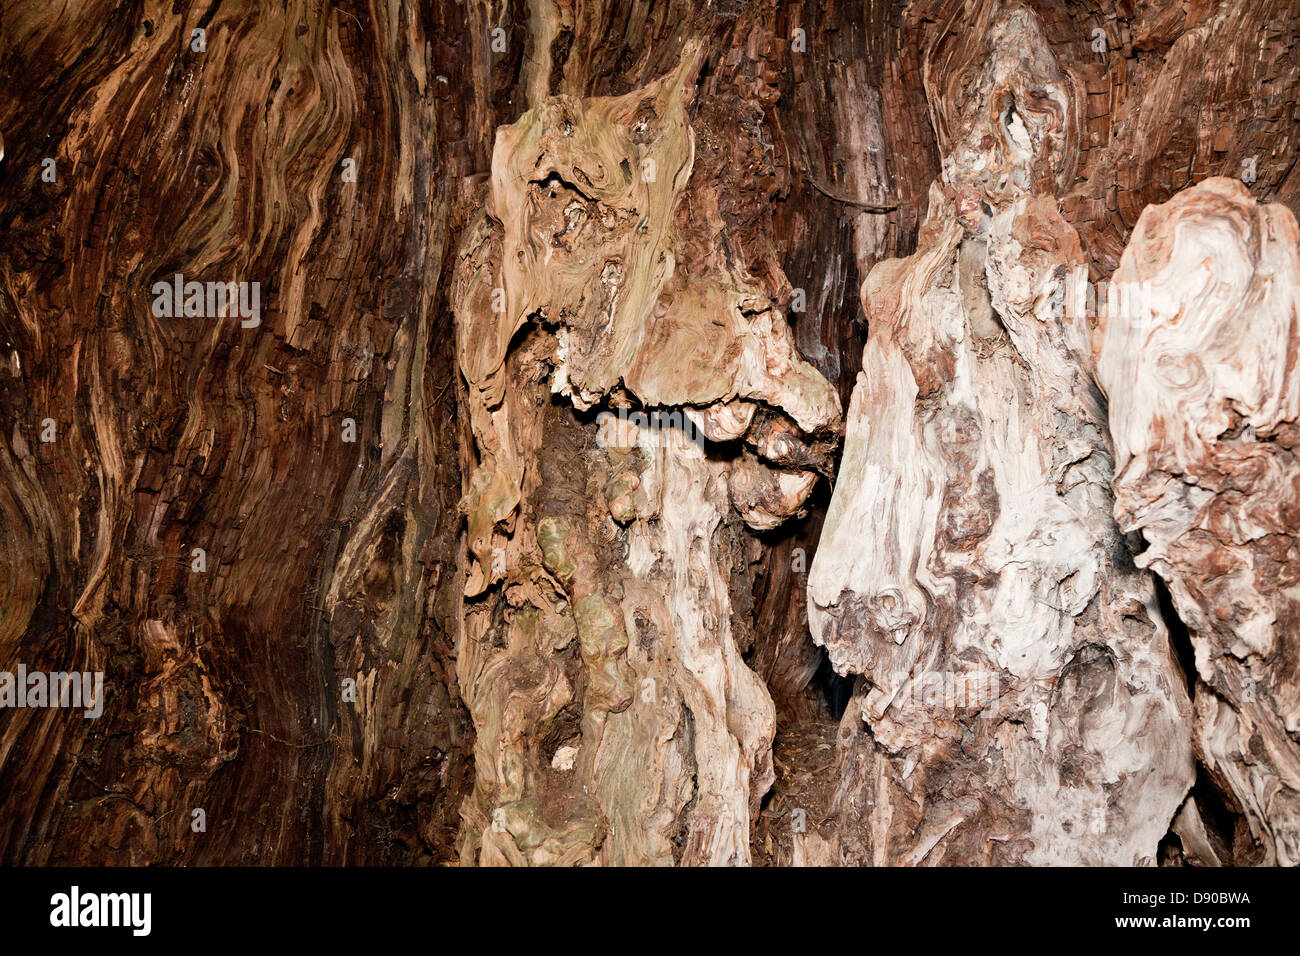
{"x": 324, "y": 559}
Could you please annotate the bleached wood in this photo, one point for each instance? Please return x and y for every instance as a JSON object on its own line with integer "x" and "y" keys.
{"x": 1020, "y": 703}
{"x": 1199, "y": 359}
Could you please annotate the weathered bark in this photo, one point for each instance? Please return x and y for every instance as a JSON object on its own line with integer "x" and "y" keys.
{"x": 653, "y": 742}
{"x": 583, "y": 639}
{"x": 325, "y": 560}
{"x": 1023, "y": 703}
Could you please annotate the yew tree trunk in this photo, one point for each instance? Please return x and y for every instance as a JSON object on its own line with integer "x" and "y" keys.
{"x": 670, "y": 432}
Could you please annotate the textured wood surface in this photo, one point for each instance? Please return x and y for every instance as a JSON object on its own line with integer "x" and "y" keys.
{"x": 977, "y": 463}
{"x": 452, "y": 611}
{"x": 1204, "y": 385}
{"x": 325, "y": 560}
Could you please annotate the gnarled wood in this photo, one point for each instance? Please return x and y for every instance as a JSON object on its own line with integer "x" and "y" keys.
{"x": 1019, "y": 699}
{"x": 584, "y": 280}
{"x": 1199, "y": 358}
{"x": 609, "y": 546}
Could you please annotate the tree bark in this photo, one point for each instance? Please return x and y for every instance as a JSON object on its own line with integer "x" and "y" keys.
{"x": 671, "y": 432}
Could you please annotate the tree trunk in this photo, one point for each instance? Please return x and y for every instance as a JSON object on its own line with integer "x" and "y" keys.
{"x": 668, "y": 432}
